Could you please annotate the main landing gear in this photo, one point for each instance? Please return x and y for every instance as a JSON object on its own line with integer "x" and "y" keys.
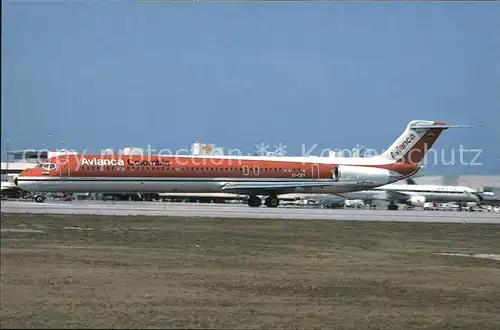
{"x": 392, "y": 207}
{"x": 254, "y": 201}
{"x": 271, "y": 201}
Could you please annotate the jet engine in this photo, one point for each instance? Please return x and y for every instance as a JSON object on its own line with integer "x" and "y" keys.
{"x": 364, "y": 174}
{"x": 417, "y": 201}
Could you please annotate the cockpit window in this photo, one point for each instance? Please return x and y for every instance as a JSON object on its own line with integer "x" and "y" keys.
{"x": 49, "y": 166}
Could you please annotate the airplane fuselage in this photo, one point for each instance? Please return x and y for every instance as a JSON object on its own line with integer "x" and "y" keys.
{"x": 79, "y": 173}
{"x": 252, "y": 176}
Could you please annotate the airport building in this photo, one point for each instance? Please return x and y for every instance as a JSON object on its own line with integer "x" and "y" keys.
{"x": 206, "y": 149}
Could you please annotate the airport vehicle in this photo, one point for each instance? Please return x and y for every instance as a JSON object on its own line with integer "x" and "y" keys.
{"x": 416, "y": 195}
{"x": 249, "y": 175}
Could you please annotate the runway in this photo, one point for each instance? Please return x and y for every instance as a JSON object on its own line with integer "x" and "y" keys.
{"x": 243, "y": 211}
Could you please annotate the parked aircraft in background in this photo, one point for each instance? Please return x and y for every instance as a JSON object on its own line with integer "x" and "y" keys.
{"x": 416, "y": 195}
{"x": 249, "y": 175}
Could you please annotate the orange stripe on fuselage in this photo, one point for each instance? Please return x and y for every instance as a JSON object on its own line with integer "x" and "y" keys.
{"x": 206, "y": 167}
{"x": 196, "y": 167}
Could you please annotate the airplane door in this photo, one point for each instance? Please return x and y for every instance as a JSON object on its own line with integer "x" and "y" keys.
{"x": 64, "y": 168}
{"x": 314, "y": 171}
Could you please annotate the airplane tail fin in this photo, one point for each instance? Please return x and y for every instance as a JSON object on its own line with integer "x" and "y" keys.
{"x": 416, "y": 140}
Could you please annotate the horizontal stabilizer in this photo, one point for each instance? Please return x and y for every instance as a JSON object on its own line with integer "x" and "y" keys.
{"x": 443, "y": 126}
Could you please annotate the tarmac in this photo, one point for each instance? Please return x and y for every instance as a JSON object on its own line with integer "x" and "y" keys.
{"x": 244, "y": 211}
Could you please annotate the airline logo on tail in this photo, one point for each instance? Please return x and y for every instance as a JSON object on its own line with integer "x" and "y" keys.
{"x": 400, "y": 149}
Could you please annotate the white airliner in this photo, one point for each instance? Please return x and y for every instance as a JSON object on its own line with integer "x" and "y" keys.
{"x": 416, "y": 195}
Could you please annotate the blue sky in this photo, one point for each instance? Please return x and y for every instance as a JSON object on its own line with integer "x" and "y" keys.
{"x": 112, "y": 74}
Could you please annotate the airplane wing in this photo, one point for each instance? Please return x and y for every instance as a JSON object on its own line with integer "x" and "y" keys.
{"x": 392, "y": 196}
{"x": 284, "y": 187}
{"x": 382, "y": 195}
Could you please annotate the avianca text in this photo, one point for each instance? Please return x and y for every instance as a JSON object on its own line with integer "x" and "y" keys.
{"x": 400, "y": 148}
{"x": 120, "y": 162}
{"x": 102, "y": 162}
